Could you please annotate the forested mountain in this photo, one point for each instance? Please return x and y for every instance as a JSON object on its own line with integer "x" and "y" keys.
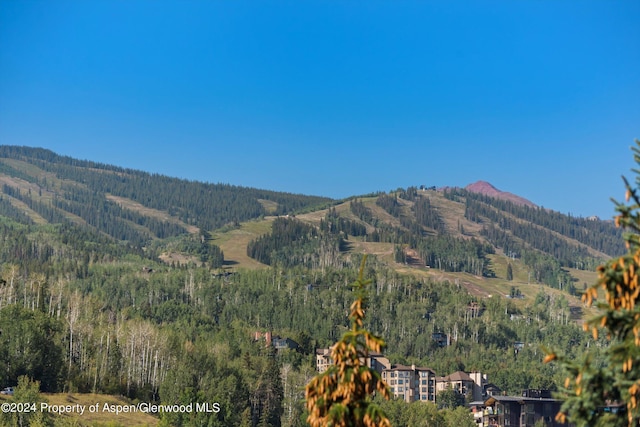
{"x": 59, "y": 187}
{"x": 451, "y": 231}
{"x": 124, "y": 282}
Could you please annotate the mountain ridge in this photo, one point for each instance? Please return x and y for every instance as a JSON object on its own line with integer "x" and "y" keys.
{"x": 487, "y": 189}
{"x": 139, "y": 208}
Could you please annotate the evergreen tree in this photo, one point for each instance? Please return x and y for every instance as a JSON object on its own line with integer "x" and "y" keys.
{"x": 592, "y": 386}
{"x": 29, "y": 346}
{"x": 268, "y": 394}
{"x": 341, "y": 396}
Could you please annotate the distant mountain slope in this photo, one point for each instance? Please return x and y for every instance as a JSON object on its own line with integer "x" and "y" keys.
{"x": 485, "y": 188}
{"x": 452, "y": 230}
{"x": 59, "y": 188}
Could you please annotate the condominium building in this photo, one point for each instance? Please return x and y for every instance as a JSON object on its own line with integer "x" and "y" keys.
{"x": 375, "y": 361}
{"x": 411, "y": 383}
{"x": 534, "y": 407}
{"x": 323, "y": 359}
{"x": 471, "y": 385}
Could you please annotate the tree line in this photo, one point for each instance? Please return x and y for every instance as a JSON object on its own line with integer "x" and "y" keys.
{"x": 600, "y": 235}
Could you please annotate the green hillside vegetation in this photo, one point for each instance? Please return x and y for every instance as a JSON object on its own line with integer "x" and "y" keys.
{"x": 120, "y": 282}
{"x": 103, "y": 417}
{"x": 53, "y": 185}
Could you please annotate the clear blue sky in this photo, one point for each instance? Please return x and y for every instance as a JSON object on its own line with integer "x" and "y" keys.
{"x": 540, "y": 98}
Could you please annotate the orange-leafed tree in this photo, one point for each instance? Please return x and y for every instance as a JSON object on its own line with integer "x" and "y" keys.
{"x": 342, "y": 395}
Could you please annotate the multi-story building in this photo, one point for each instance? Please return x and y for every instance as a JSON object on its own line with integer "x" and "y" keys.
{"x": 534, "y": 406}
{"x": 411, "y": 383}
{"x": 374, "y": 360}
{"x": 378, "y": 362}
{"x": 323, "y": 359}
{"x": 471, "y": 385}
{"x": 427, "y": 384}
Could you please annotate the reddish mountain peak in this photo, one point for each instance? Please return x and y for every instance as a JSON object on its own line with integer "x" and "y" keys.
{"x": 483, "y": 187}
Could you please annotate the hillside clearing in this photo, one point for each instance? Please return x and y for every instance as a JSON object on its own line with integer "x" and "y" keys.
{"x": 234, "y": 242}
{"x": 150, "y": 212}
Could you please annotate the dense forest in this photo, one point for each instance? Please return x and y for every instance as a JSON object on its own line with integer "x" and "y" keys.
{"x": 87, "y": 305}
{"x": 183, "y": 334}
{"x": 79, "y": 188}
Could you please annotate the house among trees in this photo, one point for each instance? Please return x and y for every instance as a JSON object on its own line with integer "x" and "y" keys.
{"x": 475, "y": 309}
{"x": 276, "y": 341}
{"x": 283, "y": 343}
{"x": 441, "y": 339}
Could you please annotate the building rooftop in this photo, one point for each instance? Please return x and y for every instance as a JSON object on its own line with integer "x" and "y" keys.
{"x": 457, "y": 376}
{"x": 400, "y": 367}
{"x": 491, "y": 400}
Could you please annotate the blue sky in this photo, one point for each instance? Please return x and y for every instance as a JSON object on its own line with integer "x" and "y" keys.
{"x": 540, "y": 98}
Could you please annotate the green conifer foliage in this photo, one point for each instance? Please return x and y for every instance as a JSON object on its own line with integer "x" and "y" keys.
{"x": 341, "y": 396}
{"x": 607, "y": 393}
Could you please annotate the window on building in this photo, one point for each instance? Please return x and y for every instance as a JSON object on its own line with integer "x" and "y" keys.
{"x": 547, "y": 409}
{"x": 530, "y": 419}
